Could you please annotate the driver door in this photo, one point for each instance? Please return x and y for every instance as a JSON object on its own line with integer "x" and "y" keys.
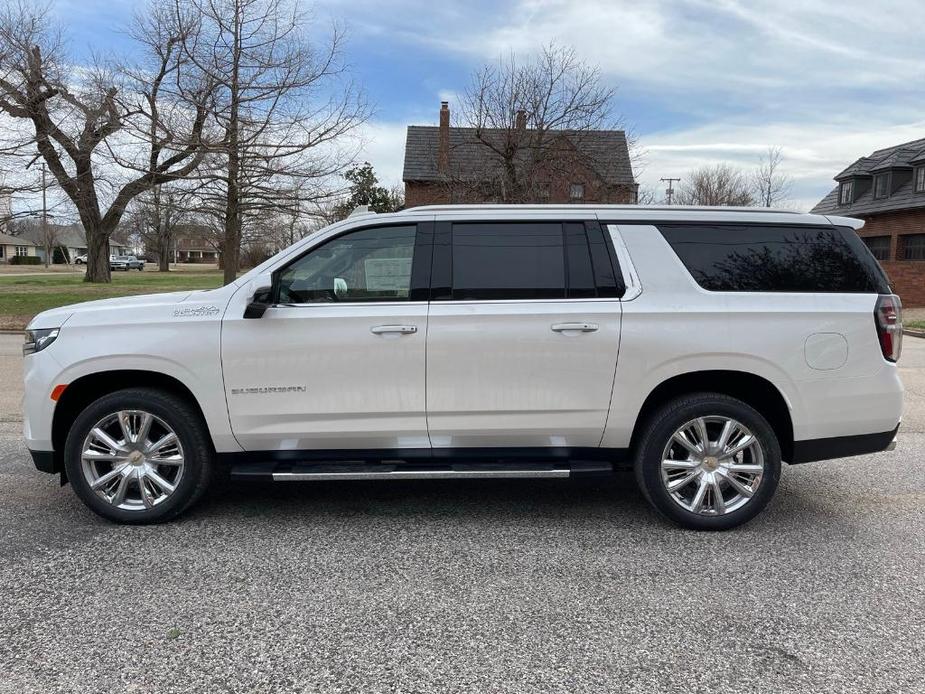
{"x": 337, "y": 363}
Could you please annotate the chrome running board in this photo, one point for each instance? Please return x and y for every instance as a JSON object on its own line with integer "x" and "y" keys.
{"x": 402, "y": 470}
{"x": 419, "y": 474}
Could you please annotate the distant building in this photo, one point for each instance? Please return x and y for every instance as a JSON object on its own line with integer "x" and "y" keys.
{"x": 887, "y": 190}
{"x": 70, "y": 241}
{"x": 12, "y": 246}
{"x": 445, "y": 164}
{"x": 193, "y": 244}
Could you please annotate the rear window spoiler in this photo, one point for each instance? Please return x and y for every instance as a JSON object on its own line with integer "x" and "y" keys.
{"x": 852, "y": 222}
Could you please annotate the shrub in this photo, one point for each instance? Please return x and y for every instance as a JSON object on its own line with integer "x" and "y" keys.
{"x": 25, "y": 260}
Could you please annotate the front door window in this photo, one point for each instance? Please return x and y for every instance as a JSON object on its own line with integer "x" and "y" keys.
{"x": 368, "y": 265}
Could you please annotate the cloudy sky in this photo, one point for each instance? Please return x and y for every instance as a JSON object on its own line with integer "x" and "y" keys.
{"x": 699, "y": 81}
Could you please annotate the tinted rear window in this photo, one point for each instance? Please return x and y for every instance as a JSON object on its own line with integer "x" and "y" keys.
{"x": 508, "y": 261}
{"x": 759, "y": 258}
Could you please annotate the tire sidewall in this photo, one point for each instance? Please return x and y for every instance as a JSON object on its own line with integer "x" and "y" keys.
{"x": 173, "y": 411}
{"x": 661, "y": 427}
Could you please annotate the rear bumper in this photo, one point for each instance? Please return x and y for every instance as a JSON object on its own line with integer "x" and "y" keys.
{"x": 842, "y": 446}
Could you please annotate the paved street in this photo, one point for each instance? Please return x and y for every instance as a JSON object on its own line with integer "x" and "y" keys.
{"x": 526, "y": 586}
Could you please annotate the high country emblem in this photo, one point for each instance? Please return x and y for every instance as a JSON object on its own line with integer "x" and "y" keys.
{"x": 266, "y": 390}
{"x": 195, "y": 312}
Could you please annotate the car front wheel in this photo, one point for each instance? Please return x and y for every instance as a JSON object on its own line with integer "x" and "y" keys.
{"x": 708, "y": 461}
{"x": 138, "y": 456}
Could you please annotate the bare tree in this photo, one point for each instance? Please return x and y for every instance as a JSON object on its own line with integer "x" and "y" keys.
{"x": 282, "y": 105}
{"x": 772, "y": 186}
{"x": 721, "y": 184}
{"x": 106, "y": 132}
{"x": 531, "y": 119}
{"x": 646, "y": 195}
{"x": 157, "y": 215}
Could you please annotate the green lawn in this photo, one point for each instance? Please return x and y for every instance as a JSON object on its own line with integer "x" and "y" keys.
{"x": 915, "y": 324}
{"x": 22, "y": 296}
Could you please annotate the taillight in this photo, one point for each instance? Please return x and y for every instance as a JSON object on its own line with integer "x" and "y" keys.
{"x": 888, "y": 317}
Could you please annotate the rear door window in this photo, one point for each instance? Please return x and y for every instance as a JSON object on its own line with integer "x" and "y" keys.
{"x": 767, "y": 258}
{"x": 508, "y": 261}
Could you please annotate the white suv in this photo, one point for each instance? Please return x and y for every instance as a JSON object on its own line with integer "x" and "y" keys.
{"x": 700, "y": 346}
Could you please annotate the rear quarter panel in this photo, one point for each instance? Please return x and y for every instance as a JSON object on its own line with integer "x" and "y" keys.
{"x": 674, "y": 327}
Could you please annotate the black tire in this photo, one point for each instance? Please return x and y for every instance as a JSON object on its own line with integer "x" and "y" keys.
{"x": 179, "y": 415}
{"x": 659, "y": 429}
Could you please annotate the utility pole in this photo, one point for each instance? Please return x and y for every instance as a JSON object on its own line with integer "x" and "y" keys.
{"x": 670, "y": 191}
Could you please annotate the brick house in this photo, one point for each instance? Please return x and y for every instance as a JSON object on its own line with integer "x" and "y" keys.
{"x": 887, "y": 191}
{"x": 193, "y": 243}
{"x": 446, "y": 164}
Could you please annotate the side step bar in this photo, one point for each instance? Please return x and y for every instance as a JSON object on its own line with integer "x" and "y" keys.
{"x": 418, "y": 474}
{"x": 308, "y": 472}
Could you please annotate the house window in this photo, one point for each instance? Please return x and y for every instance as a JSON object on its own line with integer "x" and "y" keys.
{"x": 920, "y": 180}
{"x": 846, "y": 194}
{"x": 914, "y": 247}
{"x": 577, "y": 192}
{"x": 879, "y": 246}
{"x": 22, "y": 250}
{"x": 882, "y": 186}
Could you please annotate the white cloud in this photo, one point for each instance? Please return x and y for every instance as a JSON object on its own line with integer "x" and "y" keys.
{"x": 383, "y": 146}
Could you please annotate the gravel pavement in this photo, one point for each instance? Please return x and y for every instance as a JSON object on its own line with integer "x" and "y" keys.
{"x": 490, "y": 586}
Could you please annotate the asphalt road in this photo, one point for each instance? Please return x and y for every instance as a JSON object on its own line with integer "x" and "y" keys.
{"x": 526, "y": 586}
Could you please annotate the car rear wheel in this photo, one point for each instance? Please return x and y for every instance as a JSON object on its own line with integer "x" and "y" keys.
{"x": 138, "y": 456}
{"x": 708, "y": 461}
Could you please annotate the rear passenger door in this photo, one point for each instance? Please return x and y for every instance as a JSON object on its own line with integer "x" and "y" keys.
{"x": 523, "y": 334}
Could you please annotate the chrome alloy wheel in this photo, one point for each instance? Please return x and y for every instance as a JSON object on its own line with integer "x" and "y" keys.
{"x": 712, "y": 465}
{"x": 132, "y": 460}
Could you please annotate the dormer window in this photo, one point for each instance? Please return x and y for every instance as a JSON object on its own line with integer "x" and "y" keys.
{"x": 881, "y": 186}
{"x": 846, "y": 193}
{"x": 920, "y": 180}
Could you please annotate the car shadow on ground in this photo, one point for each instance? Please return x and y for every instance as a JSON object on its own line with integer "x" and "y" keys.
{"x": 430, "y": 498}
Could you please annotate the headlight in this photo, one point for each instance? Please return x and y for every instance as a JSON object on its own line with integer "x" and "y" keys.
{"x": 37, "y": 340}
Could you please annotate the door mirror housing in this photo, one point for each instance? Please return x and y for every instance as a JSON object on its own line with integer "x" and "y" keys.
{"x": 261, "y": 296}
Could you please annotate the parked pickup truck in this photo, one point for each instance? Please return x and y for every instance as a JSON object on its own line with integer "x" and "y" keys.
{"x": 125, "y": 262}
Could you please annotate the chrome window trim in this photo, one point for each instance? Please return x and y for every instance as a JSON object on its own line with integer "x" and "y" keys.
{"x": 351, "y": 303}
{"x": 627, "y": 269}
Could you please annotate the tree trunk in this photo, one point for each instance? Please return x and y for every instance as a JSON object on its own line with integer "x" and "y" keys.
{"x": 163, "y": 258}
{"x": 231, "y": 256}
{"x": 233, "y": 200}
{"x": 97, "y": 256}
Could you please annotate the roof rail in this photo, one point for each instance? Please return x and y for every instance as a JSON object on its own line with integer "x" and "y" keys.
{"x": 573, "y": 207}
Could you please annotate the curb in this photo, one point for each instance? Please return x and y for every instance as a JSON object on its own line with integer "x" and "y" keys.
{"x": 913, "y": 333}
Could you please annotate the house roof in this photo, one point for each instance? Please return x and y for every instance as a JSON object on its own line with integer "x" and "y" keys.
{"x": 606, "y": 150}
{"x": 904, "y": 157}
{"x": 7, "y": 240}
{"x": 68, "y": 235}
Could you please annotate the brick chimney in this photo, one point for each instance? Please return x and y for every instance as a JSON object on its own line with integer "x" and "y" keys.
{"x": 443, "y": 139}
{"x": 520, "y": 120}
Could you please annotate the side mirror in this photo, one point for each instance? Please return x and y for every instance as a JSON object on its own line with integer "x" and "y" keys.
{"x": 261, "y": 296}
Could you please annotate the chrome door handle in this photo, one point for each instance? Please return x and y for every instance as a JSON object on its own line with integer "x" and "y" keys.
{"x": 574, "y": 327}
{"x": 400, "y": 329}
